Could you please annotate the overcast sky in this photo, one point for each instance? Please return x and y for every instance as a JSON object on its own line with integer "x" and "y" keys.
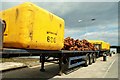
{"x": 104, "y": 27}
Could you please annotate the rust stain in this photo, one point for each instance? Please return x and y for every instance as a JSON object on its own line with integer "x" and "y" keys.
{"x": 51, "y": 16}
{"x": 30, "y": 10}
{"x": 31, "y": 24}
{"x": 17, "y": 13}
{"x": 28, "y": 46}
{"x": 3, "y": 13}
{"x": 5, "y": 34}
{"x": 60, "y": 25}
{"x": 31, "y": 32}
{"x": 31, "y": 35}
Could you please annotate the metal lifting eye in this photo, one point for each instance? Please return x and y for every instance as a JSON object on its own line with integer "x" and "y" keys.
{"x": 3, "y": 23}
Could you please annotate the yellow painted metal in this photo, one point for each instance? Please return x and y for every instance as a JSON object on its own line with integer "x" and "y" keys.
{"x": 108, "y": 46}
{"x": 103, "y": 45}
{"x": 31, "y": 27}
{"x": 95, "y": 41}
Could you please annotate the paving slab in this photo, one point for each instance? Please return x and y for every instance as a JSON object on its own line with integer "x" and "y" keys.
{"x": 99, "y": 69}
{"x": 10, "y": 65}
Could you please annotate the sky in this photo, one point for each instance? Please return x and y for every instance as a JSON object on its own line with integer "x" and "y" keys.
{"x": 78, "y": 18}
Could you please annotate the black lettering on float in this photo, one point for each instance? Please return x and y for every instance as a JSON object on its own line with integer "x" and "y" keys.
{"x": 48, "y": 39}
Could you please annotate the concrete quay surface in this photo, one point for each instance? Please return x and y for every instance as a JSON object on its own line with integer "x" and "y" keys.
{"x": 10, "y": 66}
{"x": 99, "y": 69}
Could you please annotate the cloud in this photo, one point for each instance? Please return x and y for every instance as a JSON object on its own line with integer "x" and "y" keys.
{"x": 104, "y": 13}
{"x": 55, "y": 7}
{"x": 111, "y": 37}
{"x": 71, "y": 31}
{"x": 74, "y": 33}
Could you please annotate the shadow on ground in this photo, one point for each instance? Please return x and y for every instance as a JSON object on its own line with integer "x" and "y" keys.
{"x": 51, "y": 71}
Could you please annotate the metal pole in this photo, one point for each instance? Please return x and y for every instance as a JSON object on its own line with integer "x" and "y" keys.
{"x": 42, "y": 63}
{"x": 60, "y": 65}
